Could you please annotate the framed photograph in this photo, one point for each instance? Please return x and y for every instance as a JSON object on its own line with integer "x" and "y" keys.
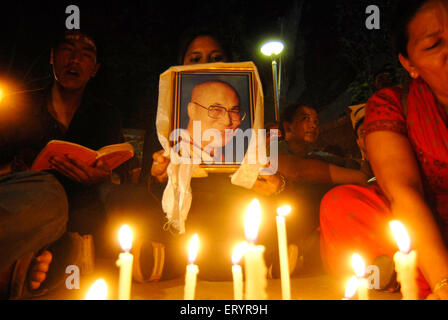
{"x": 213, "y": 115}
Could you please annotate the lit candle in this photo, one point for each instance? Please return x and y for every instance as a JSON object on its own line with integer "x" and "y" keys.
{"x": 254, "y": 265}
{"x": 124, "y": 262}
{"x": 192, "y": 269}
{"x": 360, "y": 270}
{"x": 350, "y": 288}
{"x": 405, "y": 262}
{"x": 237, "y": 273}
{"x": 98, "y": 291}
{"x": 283, "y": 251}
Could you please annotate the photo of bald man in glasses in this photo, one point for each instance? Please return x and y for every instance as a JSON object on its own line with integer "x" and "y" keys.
{"x": 214, "y": 113}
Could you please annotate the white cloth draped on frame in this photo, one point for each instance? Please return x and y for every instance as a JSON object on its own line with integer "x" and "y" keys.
{"x": 177, "y": 196}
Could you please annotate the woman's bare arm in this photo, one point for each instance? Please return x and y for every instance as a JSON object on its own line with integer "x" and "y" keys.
{"x": 397, "y": 172}
{"x": 295, "y": 168}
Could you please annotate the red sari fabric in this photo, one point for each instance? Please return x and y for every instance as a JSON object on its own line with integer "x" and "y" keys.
{"x": 354, "y": 218}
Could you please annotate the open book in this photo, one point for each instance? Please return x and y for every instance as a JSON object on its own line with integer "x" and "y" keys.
{"x": 113, "y": 155}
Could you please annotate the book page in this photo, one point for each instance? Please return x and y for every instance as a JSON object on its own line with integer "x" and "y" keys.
{"x": 58, "y": 148}
{"x": 116, "y": 154}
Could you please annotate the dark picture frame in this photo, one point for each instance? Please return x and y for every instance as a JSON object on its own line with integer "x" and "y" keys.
{"x": 241, "y": 79}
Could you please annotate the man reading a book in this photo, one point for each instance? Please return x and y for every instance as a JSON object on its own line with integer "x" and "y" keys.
{"x": 74, "y": 114}
{"x": 74, "y": 63}
{"x": 66, "y": 110}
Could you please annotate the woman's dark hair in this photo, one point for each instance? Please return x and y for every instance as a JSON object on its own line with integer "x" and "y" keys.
{"x": 402, "y": 15}
{"x": 290, "y": 112}
{"x": 189, "y": 36}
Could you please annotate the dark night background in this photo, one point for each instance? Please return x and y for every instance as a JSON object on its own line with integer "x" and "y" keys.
{"x": 330, "y": 57}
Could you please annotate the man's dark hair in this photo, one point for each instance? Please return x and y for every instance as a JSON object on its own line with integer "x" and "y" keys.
{"x": 291, "y": 111}
{"x": 60, "y": 37}
{"x": 402, "y": 15}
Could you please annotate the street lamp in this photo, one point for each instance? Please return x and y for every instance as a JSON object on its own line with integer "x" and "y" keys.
{"x": 273, "y": 49}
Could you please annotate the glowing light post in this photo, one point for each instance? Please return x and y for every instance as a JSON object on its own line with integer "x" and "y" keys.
{"x": 273, "y": 50}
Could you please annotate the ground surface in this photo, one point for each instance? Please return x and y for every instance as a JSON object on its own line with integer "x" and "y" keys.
{"x": 309, "y": 286}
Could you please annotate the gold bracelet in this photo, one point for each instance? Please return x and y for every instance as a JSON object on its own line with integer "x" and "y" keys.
{"x": 282, "y": 186}
{"x": 441, "y": 284}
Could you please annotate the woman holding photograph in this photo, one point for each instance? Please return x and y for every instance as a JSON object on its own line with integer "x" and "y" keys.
{"x": 406, "y": 135}
{"x": 216, "y": 201}
{"x": 194, "y": 49}
{"x": 217, "y": 204}
{"x": 295, "y": 167}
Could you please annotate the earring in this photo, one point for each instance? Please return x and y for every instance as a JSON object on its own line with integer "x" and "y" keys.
{"x": 414, "y": 75}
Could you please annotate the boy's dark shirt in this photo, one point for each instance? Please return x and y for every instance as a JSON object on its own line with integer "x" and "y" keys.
{"x": 94, "y": 125}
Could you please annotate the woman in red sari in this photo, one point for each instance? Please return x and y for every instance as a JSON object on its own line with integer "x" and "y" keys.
{"x": 407, "y": 145}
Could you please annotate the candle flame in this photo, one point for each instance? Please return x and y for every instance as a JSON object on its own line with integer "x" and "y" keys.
{"x": 238, "y": 252}
{"x": 8, "y": 89}
{"x": 358, "y": 265}
{"x": 98, "y": 291}
{"x": 351, "y": 287}
{"x": 193, "y": 248}
{"x": 252, "y": 220}
{"x": 401, "y": 236}
{"x": 284, "y": 210}
{"x": 125, "y": 237}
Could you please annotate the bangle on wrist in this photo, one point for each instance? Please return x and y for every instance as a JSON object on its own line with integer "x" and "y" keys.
{"x": 282, "y": 186}
{"x": 441, "y": 284}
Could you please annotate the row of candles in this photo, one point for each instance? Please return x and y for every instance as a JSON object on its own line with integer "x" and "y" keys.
{"x": 255, "y": 267}
{"x": 405, "y": 261}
